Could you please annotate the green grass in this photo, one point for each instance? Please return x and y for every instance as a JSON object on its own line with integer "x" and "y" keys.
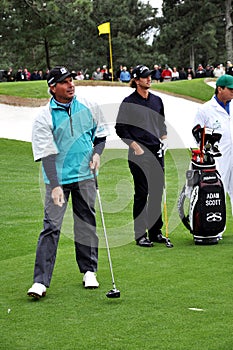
{"x": 31, "y": 89}
{"x": 39, "y": 89}
{"x": 195, "y": 88}
{"x": 158, "y": 285}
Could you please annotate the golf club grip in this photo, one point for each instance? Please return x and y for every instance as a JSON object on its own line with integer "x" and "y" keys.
{"x": 95, "y": 178}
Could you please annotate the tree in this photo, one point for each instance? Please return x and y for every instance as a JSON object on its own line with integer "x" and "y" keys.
{"x": 130, "y": 20}
{"x": 191, "y": 32}
{"x": 41, "y": 33}
{"x": 229, "y": 30}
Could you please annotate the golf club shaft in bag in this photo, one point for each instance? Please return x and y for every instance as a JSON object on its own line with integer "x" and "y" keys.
{"x": 168, "y": 243}
{"x": 113, "y": 293}
{"x": 165, "y": 211}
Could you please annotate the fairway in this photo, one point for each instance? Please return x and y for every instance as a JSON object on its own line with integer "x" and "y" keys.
{"x": 176, "y": 298}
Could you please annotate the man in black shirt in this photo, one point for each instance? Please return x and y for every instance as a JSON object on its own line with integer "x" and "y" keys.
{"x": 141, "y": 125}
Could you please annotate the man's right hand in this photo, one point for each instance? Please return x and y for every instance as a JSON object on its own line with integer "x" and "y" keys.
{"x": 58, "y": 196}
{"x": 138, "y": 151}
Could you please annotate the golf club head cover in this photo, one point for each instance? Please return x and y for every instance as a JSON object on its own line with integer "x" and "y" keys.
{"x": 212, "y": 139}
{"x": 197, "y": 133}
{"x": 216, "y": 136}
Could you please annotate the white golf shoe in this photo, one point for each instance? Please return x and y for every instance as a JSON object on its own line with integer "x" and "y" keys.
{"x": 90, "y": 281}
{"x": 37, "y": 291}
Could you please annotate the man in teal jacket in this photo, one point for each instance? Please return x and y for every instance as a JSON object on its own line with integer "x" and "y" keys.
{"x": 68, "y": 136}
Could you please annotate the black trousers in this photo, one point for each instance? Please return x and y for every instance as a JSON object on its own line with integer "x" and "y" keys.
{"x": 83, "y": 195}
{"x": 148, "y": 175}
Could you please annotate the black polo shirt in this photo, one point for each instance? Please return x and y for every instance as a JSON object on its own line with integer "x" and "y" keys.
{"x": 141, "y": 120}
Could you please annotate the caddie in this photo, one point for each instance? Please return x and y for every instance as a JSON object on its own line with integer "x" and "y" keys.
{"x": 217, "y": 114}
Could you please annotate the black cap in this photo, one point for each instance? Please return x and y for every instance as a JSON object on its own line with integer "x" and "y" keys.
{"x": 57, "y": 74}
{"x": 141, "y": 72}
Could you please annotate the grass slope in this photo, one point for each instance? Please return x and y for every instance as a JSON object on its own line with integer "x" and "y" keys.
{"x": 27, "y": 89}
{"x": 158, "y": 285}
{"x": 196, "y": 88}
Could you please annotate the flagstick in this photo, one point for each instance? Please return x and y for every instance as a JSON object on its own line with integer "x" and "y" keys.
{"x": 110, "y": 52}
{"x": 105, "y": 28}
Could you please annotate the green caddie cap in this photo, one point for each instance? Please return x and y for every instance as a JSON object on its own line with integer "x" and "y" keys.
{"x": 225, "y": 80}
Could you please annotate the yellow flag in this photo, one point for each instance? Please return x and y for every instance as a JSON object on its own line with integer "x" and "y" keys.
{"x": 104, "y": 28}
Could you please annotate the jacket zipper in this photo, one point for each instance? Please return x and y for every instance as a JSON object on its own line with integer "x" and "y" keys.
{"x": 71, "y": 122}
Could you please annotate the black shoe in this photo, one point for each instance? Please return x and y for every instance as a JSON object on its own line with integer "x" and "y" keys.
{"x": 160, "y": 239}
{"x": 144, "y": 242}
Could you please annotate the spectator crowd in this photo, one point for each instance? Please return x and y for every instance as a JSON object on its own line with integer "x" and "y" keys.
{"x": 123, "y": 74}
{"x": 171, "y": 74}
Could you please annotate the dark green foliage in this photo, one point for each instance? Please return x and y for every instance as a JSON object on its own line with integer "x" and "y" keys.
{"x": 42, "y": 34}
{"x": 39, "y": 34}
{"x": 190, "y": 33}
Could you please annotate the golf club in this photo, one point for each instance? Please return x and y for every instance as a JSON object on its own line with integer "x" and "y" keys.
{"x": 114, "y": 292}
{"x": 168, "y": 243}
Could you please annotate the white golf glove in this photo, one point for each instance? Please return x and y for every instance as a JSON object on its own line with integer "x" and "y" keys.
{"x": 164, "y": 145}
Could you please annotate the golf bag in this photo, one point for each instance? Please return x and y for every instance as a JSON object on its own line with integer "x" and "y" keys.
{"x": 206, "y": 218}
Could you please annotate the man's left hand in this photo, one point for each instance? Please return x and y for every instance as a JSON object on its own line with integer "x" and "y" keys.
{"x": 95, "y": 162}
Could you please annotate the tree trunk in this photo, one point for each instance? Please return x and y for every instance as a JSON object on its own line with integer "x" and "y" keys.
{"x": 46, "y": 44}
{"x": 192, "y": 58}
{"x": 229, "y": 30}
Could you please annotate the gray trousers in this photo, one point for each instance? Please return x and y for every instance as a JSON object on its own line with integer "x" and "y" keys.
{"x": 83, "y": 195}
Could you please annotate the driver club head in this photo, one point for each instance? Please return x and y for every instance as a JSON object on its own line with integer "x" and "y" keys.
{"x": 169, "y": 244}
{"x": 113, "y": 293}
